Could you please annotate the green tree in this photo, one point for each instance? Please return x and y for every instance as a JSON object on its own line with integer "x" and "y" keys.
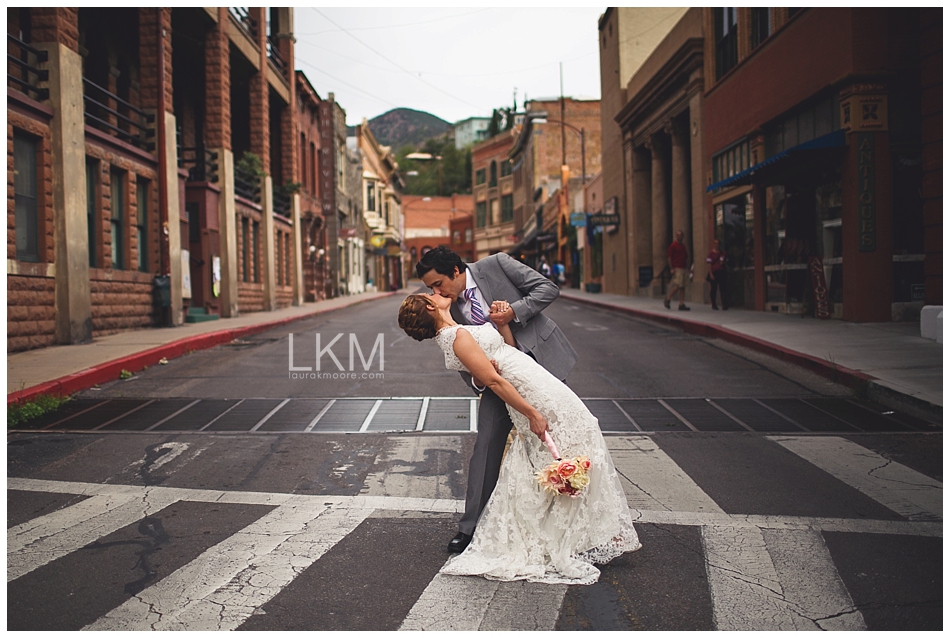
{"x": 423, "y": 177}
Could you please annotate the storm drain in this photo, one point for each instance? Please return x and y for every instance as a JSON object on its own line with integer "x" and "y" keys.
{"x": 460, "y": 414}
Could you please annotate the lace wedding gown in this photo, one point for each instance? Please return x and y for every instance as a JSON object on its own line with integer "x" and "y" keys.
{"x": 525, "y": 532}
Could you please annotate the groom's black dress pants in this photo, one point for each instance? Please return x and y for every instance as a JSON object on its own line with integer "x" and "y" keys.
{"x": 494, "y": 424}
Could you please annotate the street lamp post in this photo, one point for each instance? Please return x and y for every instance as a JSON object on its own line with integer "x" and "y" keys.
{"x": 541, "y": 117}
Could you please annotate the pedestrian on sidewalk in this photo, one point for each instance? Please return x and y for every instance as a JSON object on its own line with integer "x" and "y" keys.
{"x": 716, "y": 275}
{"x": 677, "y": 256}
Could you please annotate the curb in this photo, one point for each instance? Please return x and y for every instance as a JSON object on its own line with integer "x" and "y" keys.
{"x": 836, "y": 373}
{"x": 859, "y": 381}
{"x": 110, "y": 370}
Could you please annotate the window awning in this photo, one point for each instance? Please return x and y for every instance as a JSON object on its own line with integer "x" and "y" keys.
{"x": 817, "y": 146}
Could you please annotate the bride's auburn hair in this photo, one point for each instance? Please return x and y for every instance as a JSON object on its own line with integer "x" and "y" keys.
{"x": 415, "y": 319}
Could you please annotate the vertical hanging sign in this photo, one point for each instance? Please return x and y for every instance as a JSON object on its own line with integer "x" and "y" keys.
{"x": 867, "y": 237}
{"x": 325, "y": 160}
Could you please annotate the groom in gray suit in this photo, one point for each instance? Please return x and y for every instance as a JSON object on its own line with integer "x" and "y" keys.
{"x": 474, "y": 287}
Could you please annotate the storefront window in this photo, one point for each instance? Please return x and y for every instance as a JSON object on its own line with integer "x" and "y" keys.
{"x": 828, "y": 231}
{"x": 734, "y": 230}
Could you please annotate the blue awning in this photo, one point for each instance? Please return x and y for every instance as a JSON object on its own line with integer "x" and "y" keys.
{"x": 831, "y": 140}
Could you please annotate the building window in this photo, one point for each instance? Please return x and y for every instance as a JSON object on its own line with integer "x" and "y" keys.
{"x": 117, "y": 219}
{"x": 25, "y": 198}
{"x": 468, "y": 235}
{"x": 141, "y": 222}
{"x": 456, "y": 237}
{"x": 727, "y": 50}
{"x": 280, "y": 258}
{"x": 505, "y": 168}
{"x": 371, "y": 196}
{"x": 481, "y": 209}
{"x": 245, "y": 247}
{"x": 493, "y": 176}
{"x": 303, "y": 160}
{"x": 507, "y": 208}
{"x": 730, "y": 162}
{"x": 287, "y": 262}
{"x": 313, "y": 168}
{"x": 480, "y": 176}
{"x": 92, "y": 199}
{"x": 255, "y": 243}
{"x": 761, "y": 25}
{"x": 494, "y": 212}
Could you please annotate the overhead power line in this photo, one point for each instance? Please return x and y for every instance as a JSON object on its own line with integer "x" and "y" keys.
{"x": 391, "y": 61}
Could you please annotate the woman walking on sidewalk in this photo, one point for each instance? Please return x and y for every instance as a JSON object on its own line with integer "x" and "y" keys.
{"x": 716, "y": 275}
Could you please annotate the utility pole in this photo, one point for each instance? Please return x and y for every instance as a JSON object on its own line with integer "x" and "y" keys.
{"x": 563, "y": 138}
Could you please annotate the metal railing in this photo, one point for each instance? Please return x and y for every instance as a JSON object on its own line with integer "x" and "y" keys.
{"x": 203, "y": 163}
{"x": 108, "y": 112}
{"x": 245, "y": 20}
{"x": 282, "y": 203}
{"x": 247, "y": 185}
{"x": 273, "y": 54}
{"x": 23, "y": 72}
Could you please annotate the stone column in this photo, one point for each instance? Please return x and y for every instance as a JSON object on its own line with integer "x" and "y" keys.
{"x": 218, "y": 139}
{"x": 642, "y": 212}
{"x": 682, "y": 201}
{"x": 297, "y": 250}
{"x": 660, "y": 226}
{"x": 267, "y": 224}
{"x": 261, "y": 146}
{"x": 173, "y": 215}
{"x": 68, "y": 154}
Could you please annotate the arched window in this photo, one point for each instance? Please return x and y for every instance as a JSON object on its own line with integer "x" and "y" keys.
{"x": 493, "y": 175}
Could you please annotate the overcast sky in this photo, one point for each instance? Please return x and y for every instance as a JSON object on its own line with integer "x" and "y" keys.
{"x": 454, "y": 62}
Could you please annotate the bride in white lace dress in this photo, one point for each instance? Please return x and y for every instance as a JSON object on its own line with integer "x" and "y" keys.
{"x": 526, "y": 532}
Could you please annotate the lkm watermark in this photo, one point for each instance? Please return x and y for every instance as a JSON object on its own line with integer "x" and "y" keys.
{"x": 317, "y": 371}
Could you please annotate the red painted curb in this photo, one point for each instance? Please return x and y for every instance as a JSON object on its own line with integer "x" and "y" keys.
{"x": 110, "y": 370}
{"x": 836, "y": 373}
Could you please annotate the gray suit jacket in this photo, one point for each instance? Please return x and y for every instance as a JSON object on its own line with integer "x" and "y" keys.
{"x": 500, "y": 277}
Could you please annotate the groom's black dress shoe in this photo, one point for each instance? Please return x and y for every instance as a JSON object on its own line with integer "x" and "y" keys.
{"x": 458, "y": 544}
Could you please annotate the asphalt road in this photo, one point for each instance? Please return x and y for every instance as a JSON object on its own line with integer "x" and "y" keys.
{"x": 180, "y": 525}
{"x": 619, "y": 357}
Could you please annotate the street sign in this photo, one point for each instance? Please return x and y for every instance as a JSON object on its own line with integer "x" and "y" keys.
{"x": 604, "y": 220}
{"x": 578, "y": 219}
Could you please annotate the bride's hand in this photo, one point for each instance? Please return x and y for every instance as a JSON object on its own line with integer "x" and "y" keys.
{"x": 538, "y": 424}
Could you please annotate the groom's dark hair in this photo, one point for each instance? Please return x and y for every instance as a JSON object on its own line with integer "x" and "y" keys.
{"x": 443, "y": 260}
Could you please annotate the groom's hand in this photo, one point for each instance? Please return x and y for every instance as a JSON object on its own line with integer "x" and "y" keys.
{"x": 500, "y": 313}
{"x": 477, "y": 382}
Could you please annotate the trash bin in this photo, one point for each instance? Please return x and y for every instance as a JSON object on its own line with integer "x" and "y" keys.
{"x": 163, "y": 291}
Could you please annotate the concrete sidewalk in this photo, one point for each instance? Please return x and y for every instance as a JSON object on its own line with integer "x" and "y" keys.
{"x": 63, "y": 370}
{"x": 901, "y": 368}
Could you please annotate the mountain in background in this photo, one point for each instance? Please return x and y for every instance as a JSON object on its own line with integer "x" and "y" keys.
{"x": 399, "y": 127}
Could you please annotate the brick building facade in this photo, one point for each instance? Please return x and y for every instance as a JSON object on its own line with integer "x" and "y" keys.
{"x": 805, "y": 140}
{"x": 127, "y": 133}
{"x": 433, "y": 221}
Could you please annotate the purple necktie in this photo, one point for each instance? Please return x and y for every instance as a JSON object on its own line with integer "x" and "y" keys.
{"x": 478, "y": 316}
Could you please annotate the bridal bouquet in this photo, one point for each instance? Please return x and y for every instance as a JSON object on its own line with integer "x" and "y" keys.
{"x": 562, "y": 476}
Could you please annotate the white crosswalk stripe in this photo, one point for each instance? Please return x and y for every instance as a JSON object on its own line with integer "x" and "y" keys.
{"x": 221, "y": 588}
{"x": 653, "y": 481}
{"x": 893, "y": 485}
{"x": 764, "y": 572}
{"x": 463, "y": 603}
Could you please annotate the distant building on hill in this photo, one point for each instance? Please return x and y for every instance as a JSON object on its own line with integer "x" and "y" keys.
{"x": 470, "y": 131}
